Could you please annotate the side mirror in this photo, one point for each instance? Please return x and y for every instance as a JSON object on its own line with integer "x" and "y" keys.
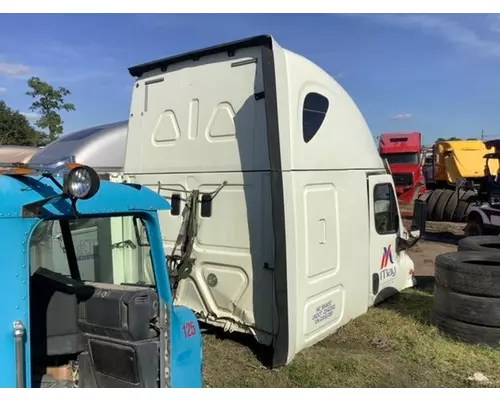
{"x": 417, "y": 229}
{"x": 419, "y": 218}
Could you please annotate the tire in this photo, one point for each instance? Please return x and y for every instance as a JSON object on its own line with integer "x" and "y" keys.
{"x": 469, "y": 272}
{"x": 476, "y": 310}
{"x": 479, "y": 243}
{"x": 474, "y": 228}
{"x": 442, "y": 203}
{"x": 431, "y": 203}
{"x": 468, "y": 333}
{"x": 462, "y": 206}
{"x": 467, "y": 194}
{"x": 449, "y": 211}
{"x": 425, "y": 195}
{"x": 469, "y": 206}
{"x": 460, "y": 211}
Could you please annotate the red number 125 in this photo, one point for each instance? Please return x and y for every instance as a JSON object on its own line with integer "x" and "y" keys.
{"x": 189, "y": 329}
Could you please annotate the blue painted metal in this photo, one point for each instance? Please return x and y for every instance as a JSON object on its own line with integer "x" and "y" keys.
{"x": 14, "y": 292}
{"x": 185, "y": 352}
{"x": 112, "y": 199}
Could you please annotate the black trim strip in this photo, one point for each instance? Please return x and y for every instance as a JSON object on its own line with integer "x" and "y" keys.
{"x": 281, "y": 340}
{"x": 69, "y": 248}
{"x": 231, "y": 47}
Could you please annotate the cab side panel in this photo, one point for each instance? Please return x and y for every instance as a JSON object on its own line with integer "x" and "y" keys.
{"x": 14, "y": 298}
{"x": 332, "y": 240}
{"x": 231, "y": 281}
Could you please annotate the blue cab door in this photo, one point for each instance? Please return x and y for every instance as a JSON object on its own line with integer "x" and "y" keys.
{"x": 184, "y": 356}
{"x": 14, "y": 298}
{"x": 183, "y": 361}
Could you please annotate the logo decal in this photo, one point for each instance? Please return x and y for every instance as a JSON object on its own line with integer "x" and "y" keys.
{"x": 85, "y": 250}
{"x": 386, "y": 257}
{"x": 387, "y": 267}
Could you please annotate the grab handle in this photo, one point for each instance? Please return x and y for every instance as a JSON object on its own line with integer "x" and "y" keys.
{"x": 19, "y": 332}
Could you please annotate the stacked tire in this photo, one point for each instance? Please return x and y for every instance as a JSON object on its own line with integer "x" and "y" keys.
{"x": 467, "y": 291}
{"x": 445, "y": 205}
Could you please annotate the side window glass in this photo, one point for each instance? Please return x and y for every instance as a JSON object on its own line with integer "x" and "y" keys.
{"x": 47, "y": 249}
{"x": 313, "y": 114}
{"x": 113, "y": 250}
{"x": 385, "y": 209}
{"x": 107, "y": 250}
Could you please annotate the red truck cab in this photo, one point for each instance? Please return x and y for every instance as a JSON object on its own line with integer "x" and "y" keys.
{"x": 403, "y": 152}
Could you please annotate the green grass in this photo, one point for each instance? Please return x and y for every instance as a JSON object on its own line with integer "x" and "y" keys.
{"x": 393, "y": 345}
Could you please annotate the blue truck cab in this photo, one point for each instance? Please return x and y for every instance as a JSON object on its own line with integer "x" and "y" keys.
{"x": 86, "y": 299}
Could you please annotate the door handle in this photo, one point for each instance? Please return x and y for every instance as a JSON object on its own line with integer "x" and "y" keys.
{"x": 18, "y": 332}
{"x": 322, "y": 223}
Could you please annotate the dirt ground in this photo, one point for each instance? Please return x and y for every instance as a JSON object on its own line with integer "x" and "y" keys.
{"x": 440, "y": 237}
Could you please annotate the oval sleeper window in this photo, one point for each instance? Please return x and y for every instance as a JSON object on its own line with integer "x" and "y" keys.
{"x": 313, "y": 114}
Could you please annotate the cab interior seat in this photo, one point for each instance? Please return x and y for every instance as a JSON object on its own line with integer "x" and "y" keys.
{"x": 111, "y": 329}
{"x": 54, "y": 300}
{"x": 122, "y": 341}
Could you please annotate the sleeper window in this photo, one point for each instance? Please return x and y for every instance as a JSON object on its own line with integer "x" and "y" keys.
{"x": 385, "y": 209}
{"x": 313, "y": 114}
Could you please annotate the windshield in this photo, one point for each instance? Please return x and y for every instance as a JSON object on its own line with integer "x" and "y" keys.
{"x": 402, "y": 158}
{"x": 105, "y": 250}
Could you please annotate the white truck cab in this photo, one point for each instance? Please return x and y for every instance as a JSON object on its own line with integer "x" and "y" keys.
{"x": 284, "y": 240}
{"x": 284, "y": 221}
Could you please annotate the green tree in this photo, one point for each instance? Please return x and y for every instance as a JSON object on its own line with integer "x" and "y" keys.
{"x": 49, "y": 102}
{"x": 15, "y": 128}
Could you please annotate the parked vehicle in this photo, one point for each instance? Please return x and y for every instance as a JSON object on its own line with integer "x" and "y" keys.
{"x": 253, "y": 146}
{"x": 403, "y": 153}
{"x": 483, "y": 213}
{"x": 102, "y": 147}
{"x": 13, "y": 154}
{"x": 89, "y": 301}
{"x": 456, "y": 175}
{"x": 428, "y": 166}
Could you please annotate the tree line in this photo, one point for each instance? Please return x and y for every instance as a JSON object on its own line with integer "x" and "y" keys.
{"x": 48, "y": 103}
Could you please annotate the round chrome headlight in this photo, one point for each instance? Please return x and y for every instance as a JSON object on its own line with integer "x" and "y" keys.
{"x": 82, "y": 182}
